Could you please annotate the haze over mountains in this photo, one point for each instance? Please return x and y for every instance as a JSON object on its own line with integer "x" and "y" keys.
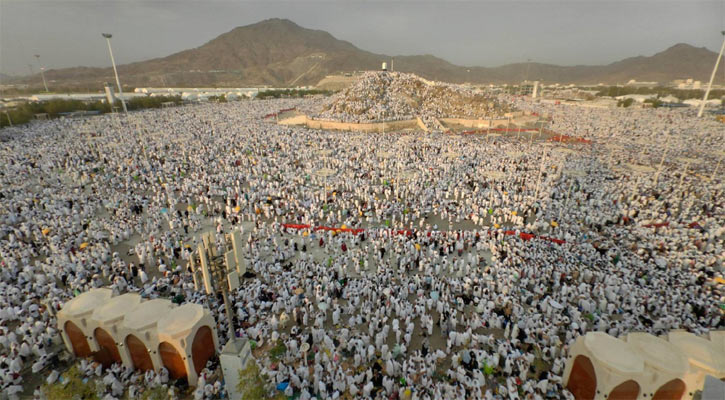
{"x": 278, "y": 52}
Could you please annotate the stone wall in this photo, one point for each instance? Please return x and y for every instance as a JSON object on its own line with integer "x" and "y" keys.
{"x": 349, "y": 126}
{"x": 406, "y": 124}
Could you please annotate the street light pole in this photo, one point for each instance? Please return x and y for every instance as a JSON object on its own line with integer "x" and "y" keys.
{"x": 712, "y": 77}
{"x": 115, "y": 71}
{"x": 37, "y": 56}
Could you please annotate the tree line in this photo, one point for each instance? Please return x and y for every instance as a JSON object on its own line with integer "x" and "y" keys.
{"x": 56, "y": 107}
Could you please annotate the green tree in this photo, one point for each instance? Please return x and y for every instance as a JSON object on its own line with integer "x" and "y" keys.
{"x": 625, "y": 103}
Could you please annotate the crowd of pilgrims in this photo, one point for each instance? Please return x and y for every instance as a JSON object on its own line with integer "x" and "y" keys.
{"x": 396, "y": 96}
{"x": 432, "y": 300}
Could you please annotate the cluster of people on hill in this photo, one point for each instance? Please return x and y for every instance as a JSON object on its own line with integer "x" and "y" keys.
{"x": 434, "y": 295}
{"x": 396, "y": 96}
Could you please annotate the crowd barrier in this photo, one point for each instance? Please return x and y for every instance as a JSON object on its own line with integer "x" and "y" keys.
{"x": 657, "y": 225}
{"x": 691, "y": 225}
{"x": 568, "y": 139}
{"x": 356, "y": 231}
{"x": 270, "y": 115}
{"x": 492, "y": 130}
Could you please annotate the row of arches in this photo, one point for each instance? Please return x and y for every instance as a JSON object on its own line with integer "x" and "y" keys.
{"x": 583, "y": 385}
{"x": 202, "y": 349}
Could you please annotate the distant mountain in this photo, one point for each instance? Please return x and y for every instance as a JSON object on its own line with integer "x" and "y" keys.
{"x": 278, "y": 52}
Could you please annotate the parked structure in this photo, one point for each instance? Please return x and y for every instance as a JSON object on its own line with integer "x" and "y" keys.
{"x": 139, "y": 334}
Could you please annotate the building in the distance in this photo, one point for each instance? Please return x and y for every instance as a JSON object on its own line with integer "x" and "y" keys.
{"x": 635, "y": 83}
{"x": 686, "y": 84}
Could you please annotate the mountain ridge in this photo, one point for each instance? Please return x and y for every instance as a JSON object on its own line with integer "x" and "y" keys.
{"x": 278, "y": 52}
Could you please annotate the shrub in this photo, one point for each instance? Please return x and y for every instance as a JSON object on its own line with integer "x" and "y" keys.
{"x": 74, "y": 389}
{"x": 251, "y": 385}
{"x": 155, "y": 393}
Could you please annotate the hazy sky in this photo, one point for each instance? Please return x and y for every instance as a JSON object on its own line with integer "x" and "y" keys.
{"x": 486, "y": 33}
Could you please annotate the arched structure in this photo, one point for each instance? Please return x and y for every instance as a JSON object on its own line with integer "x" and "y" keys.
{"x": 107, "y": 353}
{"x": 190, "y": 329}
{"x": 614, "y": 363}
{"x": 79, "y": 310}
{"x": 109, "y": 317}
{"x": 664, "y": 363}
{"x": 627, "y": 390}
{"x": 139, "y": 353}
{"x": 582, "y": 379}
{"x": 172, "y": 360}
{"x": 141, "y": 322}
{"x": 202, "y": 348}
{"x": 77, "y": 340}
{"x": 672, "y": 390}
{"x": 672, "y": 367}
{"x": 140, "y": 334}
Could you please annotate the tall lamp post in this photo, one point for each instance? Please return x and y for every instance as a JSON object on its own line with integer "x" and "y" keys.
{"x": 115, "y": 71}
{"x": 37, "y": 57}
{"x": 712, "y": 77}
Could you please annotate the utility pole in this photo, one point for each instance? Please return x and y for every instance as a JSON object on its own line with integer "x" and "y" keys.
{"x": 42, "y": 74}
{"x": 712, "y": 77}
{"x": 662, "y": 162}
